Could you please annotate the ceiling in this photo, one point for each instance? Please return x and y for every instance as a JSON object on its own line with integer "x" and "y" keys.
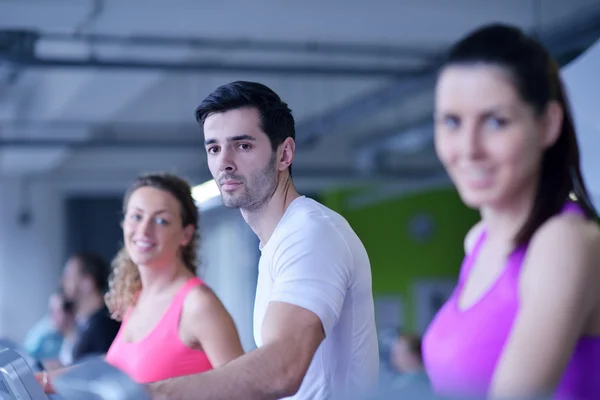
{"x": 109, "y": 87}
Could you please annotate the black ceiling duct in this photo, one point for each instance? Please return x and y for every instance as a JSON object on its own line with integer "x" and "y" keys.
{"x": 18, "y": 47}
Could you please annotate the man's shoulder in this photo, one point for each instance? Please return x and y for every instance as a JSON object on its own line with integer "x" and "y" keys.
{"x": 313, "y": 234}
{"x": 306, "y": 206}
{"x": 309, "y": 218}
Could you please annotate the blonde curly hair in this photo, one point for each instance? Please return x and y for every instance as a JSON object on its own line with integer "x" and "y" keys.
{"x": 124, "y": 282}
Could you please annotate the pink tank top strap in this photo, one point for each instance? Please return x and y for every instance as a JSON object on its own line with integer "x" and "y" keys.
{"x": 161, "y": 354}
{"x": 130, "y": 308}
{"x": 173, "y": 314}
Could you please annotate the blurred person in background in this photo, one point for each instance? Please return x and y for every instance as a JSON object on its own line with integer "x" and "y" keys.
{"x": 407, "y": 360}
{"x": 85, "y": 280}
{"x": 524, "y": 319}
{"x": 314, "y": 321}
{"x": 61, "y": 317}
{"x": 173, "y": 324}
{"x": 38, "y": 333}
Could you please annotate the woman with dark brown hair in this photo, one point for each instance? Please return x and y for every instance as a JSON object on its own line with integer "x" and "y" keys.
{"x": 524, "y": 319}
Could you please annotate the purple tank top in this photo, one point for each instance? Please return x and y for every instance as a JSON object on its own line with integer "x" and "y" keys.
{"x": 462, "y": 346}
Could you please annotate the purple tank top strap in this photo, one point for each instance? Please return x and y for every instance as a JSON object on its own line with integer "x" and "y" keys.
{"x": 572, "y": 207}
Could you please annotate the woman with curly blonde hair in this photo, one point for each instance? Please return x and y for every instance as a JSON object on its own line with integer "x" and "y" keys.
{"x": 125, "y": 282}
{"x": 172, "y": 323}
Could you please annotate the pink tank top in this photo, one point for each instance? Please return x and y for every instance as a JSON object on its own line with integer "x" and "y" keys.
{"x": 462, "y": 347}
{"x": 160, "y": 355}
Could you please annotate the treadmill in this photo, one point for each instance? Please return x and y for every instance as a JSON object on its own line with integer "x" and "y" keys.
{"x": 17, "y": 378}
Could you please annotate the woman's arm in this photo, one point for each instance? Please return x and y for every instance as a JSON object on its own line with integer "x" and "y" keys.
{"x": 558, "y": 292}
{"x": 46, "y": 377}
{"x": 207, "y": 320}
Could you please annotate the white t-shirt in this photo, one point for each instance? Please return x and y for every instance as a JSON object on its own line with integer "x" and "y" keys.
{"x": 315, "y": 260}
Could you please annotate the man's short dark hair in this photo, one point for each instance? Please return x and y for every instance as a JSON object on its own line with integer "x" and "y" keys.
{"x": 276, "y": 119}
{"x": 96, "y": 267}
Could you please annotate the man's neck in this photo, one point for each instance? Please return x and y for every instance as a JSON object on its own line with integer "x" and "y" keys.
{"x": 88, "y": 306}
{"x": 264, "y": 220}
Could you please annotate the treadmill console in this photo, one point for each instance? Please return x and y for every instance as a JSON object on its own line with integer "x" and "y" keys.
{"x": 17, "y": 379}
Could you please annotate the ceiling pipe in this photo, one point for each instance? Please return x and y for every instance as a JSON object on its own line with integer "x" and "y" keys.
{"x": 280, "y": 46}
{"x": 577, "y": 32}
{"x": 562, "y": 41}
{"x": 298, "y": 69}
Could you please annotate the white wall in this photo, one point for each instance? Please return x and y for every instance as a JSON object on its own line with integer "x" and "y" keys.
{"x": 583, "y": 85}
{"x": 31, "y": 255}
{"x": 229, "y": 254}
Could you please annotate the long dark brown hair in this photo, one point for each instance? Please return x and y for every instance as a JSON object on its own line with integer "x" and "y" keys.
{"x": 536, "y": 77}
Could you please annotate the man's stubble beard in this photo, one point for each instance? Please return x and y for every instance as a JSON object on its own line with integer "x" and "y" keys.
{"x": 258, "y": 189}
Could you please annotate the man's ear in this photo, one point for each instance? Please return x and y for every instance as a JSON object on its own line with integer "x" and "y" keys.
{"x": 286, "y": 153}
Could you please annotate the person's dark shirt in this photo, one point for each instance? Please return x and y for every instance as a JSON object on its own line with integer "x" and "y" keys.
{"x": 96, "y": 336}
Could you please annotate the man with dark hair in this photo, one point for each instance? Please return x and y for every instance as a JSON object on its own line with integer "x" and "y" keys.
{"x": 85, "y": 280}
{"x": 275, "y": 117}
{"x": 314, "y": 315}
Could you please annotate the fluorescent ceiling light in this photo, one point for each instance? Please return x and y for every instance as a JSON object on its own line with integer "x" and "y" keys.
{"x": 205, "y": 192}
